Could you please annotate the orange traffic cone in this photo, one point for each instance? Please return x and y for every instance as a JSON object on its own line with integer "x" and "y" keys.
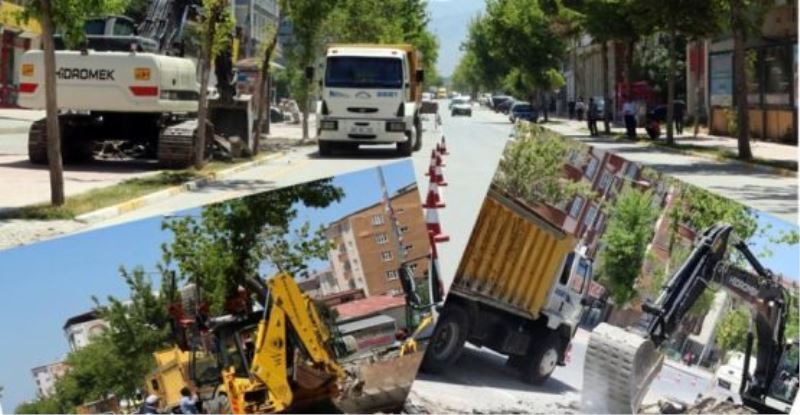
{"x": 443, "y": 146}
{"x": 434, "y": 199}
{"x": 432, "y": 222}
{"x": 432, "y": 167}
{"x": 438, "y": 176}
{"x": 439, "y": 159}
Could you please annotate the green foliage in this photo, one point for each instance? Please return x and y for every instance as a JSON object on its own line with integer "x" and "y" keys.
{"x": 69, "y": 16}
{"x": 629, "y": 231}
{"x": 700, "y": 209}
{"x": 490, "y": 69}
{"x": 40, "y": 406}
{"x": 607, "y": 20}
{"x": 732, "y": 330}
{"x": 651, "y": 63}
{"x": 793, "y": 322}
{"x": 291, "y": 253}
{"x": 215, "y": 18}
{"x": 229, "y": 241}
{"x": 531, "y": 168}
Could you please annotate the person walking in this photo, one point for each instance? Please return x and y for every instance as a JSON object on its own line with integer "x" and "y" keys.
{"x": 580, "y": 107}
{"x": 188, "y": 402}
{"x": 592, "y": 114}
{"x": 678, "y": 113}
{"x": 629, "y": 112}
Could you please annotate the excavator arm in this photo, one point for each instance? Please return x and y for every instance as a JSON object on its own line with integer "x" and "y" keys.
{"x": 636, "y": 356}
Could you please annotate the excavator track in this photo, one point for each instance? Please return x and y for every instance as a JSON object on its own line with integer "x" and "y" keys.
{"x": 618, "y": 369}
{"x": 176, "y": 145}
{"x": 37, "y": 142}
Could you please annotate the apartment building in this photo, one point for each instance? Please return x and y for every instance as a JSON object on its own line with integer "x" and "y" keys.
{"x": 46, "y": 376}
{"x": 80, "y": 329}
{"x": 367, "y": 253}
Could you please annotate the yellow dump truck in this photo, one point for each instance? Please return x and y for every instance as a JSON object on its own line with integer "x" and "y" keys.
{"x": 519, "y": 291}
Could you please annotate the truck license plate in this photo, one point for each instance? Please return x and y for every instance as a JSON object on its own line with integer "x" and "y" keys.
{"x": 361, "y": 130}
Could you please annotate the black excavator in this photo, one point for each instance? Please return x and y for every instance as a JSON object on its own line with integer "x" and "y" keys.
{"x": 621, "y": 363}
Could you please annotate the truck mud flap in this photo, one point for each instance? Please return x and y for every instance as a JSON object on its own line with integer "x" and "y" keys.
{"x": 380, "y": 386}
{"x": 618, "y": 369}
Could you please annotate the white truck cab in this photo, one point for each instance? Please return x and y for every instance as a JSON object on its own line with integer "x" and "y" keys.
{"x": 370, "y": 94}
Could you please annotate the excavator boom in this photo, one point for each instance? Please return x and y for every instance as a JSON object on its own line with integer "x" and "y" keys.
{"x": 621, "y": 363}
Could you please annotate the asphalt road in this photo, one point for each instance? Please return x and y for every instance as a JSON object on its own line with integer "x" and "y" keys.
{"x": 475, "y": 145}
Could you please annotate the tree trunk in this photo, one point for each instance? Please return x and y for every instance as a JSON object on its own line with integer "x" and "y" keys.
{"x": 740, "y": 83}
{"x": 53, "y": 128}
{"x": 305, "y": 113}
{"x": 205, "y": 68}
{"x": 671, "y": 89}
{"x": 263, "y": 94}
{"x": 604, "y": 58}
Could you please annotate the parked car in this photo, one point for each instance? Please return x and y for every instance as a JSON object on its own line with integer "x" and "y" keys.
{"x": 505, "y": 106}
{"x": 461, "y": 106}
{"x": 496, "y": 100}
{"x": 523, "y": 111}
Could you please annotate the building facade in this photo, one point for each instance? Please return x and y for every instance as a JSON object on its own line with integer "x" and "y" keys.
{"x": 80, "y": 329}
{"x": 253, "y": 18}
{"x": 46, "y": 376}
{"x": 365, "y": 254}
{"x": 15, "y": 38}
{"x": 771, "y": 72}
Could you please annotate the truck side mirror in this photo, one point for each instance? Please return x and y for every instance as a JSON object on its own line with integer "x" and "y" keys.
{"x": 310, "y": 73}
{"x": 420, "y": 76}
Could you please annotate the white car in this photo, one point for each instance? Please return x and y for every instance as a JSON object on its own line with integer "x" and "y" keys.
{"x": 461, "y": 106}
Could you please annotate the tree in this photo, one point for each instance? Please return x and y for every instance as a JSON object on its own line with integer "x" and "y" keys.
{"x": 531, "y": 168}
{"x": 263, "y": 85}
{"x": 227, "y": 242}
{"x": 41, "y": 406}
{"x": 700, "y": 209}
{"x": 307, "y": 17}
{"x": 290, "y": 252}
{"x": 66, "y": 17}
{"x": 690, "y": 18}
{"x": 216, "y": 24}
{"x": 490, "y": 68}
{"x": 523, "y": 32}
{"x": 629, "y": 231}
{"x": 732, "y": 330}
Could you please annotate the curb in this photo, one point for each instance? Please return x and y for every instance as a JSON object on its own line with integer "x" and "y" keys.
{"x": 140, "y": 202}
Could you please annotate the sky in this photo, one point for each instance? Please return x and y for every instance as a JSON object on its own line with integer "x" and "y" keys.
{"x": 42, "y": 285}
{"x": 449, "y": 22}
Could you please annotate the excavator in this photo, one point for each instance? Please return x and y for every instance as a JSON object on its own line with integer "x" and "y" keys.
{"x": 129, "y": 89}
{"x": 281, "y": 357}
{"x": 621, "y": 364}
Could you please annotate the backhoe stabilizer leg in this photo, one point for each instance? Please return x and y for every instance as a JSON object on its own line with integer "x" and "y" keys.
{"x": 618, "y": 369}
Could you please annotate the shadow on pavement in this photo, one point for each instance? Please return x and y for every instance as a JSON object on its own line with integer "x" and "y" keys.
{"x": 483, "y": 369}
{"x": 363, "y": 153}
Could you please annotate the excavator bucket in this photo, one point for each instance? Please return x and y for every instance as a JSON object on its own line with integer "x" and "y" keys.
{"x": 618, "y": 369}
{"x": 380, "y": 386}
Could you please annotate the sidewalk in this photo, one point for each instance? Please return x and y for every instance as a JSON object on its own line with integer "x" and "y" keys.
{"x": 766, "y": 151}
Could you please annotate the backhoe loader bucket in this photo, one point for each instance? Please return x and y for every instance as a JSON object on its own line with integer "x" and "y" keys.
{"x": 380, "y": 386}
{"x": 618, "y": 369}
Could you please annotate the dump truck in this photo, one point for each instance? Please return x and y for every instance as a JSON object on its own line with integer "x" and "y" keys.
{"x": 520, "y": 290}
{"x": 371, "y": 94}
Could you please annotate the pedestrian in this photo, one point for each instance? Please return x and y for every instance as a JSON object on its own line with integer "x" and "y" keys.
{"x": 678, "y": 113}
{"x": 629, "y": 112}
{"x": 150, "y": 405}
{"x": 592, "y": 114}
{"x": 571, "y": 109}
{"x": 579, "y": 108}
{"x": 188, "y": 402}
{"x": 607, "y": 115}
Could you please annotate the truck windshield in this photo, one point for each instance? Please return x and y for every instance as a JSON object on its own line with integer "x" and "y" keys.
{"x": 362, "y": 72}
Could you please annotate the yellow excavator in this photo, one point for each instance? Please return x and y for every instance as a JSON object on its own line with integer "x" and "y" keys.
{"x": 277, "y": 358}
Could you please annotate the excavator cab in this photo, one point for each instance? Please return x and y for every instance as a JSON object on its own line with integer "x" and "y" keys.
{"x": 783, "y": 389}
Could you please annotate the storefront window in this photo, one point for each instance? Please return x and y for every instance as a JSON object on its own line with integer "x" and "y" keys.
{"x": 778, "y": 75}
{"x": 721, "y": 74}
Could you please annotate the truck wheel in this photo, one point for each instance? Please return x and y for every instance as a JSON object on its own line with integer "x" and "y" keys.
{"x": 406, "y": 148}
{"x": 418, "y": 131}
{"x": 541, "y": 360}
{"x": 448, "y": 340}
{"x": 325, "y": 148}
